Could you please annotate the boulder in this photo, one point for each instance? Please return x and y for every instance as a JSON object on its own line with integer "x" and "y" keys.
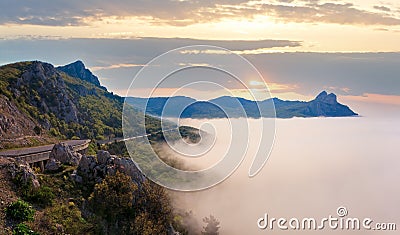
{"x": 65, "y": 154}
{"x": 95, "y": 169}
{"x": 103, "y": 156}
{"x": 52, "y": 165}
{"x": 84, "y": 165}
{"x": 75, "y": 177}
{"x": 128, "y": 166}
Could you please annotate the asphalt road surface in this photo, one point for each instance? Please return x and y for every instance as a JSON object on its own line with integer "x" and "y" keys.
{"x": 39, "y": 149}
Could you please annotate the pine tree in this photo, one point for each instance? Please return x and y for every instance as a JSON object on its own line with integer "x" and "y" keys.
{"x": 212, "y": 226}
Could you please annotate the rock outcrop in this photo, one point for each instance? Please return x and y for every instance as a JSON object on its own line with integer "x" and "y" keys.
{"x": 325, "y": 98}
{"x": 23, "y": 173}
{"x": 327, "y": 105}
{"x": 52, "y": 165}
{"x": 78, "y": 70}
{"x": 96, "y": 168}
{"x": 62, "y": 153}
{"x": 42, "y": 86}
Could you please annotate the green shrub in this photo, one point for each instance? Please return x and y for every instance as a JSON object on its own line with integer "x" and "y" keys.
{"x": 54, "y": 132}
{"x": 112, "y": 198}
{"x": 43, "y": 196}
{"x": 23, "y": 229}
{"x": 92, "y": 149}
{"x": 70, "y": 218}
{"x": 20, "y": 211}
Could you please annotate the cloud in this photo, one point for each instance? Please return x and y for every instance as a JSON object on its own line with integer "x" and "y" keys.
{"x": 340, "y": 89}
{"x": 182, "y": 13}
{"x": 382, "y": 8}
{"x": 337, "y": 13}
{"x": 194, "y": 65}
{"x": 376, "y": 98}
{"x": 109, "y": 52}
{"x": 344, "y": 73}
{"x": 115, "y": 66}
{"x": 75, "y": 12}
{"x": 31, "y": 37}
{"x": 382, "y": 29}
{"x": 234, "y": 45}
{"x": 303, "y": 73}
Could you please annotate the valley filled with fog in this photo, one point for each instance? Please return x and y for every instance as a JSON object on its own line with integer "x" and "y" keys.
{"x": 316, "y": 166}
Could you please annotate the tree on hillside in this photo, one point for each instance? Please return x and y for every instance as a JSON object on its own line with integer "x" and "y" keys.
{"x": 112, "y": 199}
{"x": 153, "y": 204}
{"x": 212, "y": 226}
{"x": 144, "y": 225}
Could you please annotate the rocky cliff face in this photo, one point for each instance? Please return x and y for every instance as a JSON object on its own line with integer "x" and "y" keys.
{"x": 78, "y": 70}
{"x": 17, "y": 128}
{"x": 60, "y": 105}
{"x": 49, "y": 92}
{"x": 13, "y": 123}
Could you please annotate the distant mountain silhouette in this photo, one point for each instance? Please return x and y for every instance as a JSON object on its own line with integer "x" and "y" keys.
{"x": 324, "y": 104}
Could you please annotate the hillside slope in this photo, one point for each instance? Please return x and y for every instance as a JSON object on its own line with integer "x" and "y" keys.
{"x": 61, "y": 105}
{"x": 38, "y": 100}
{"x": 17, "y": 128}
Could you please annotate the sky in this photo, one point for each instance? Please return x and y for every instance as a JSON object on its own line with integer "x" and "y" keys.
{"x": 300, "y": 47}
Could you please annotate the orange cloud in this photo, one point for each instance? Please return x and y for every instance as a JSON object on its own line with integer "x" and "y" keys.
{"x": 374, "y": 98}
{"x": 115, "y": 66}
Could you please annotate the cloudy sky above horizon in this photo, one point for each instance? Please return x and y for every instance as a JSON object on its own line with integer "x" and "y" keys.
{"x": 300, "y": 46}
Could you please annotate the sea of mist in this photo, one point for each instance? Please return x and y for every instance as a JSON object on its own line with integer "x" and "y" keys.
{"x": 316, "y": 166}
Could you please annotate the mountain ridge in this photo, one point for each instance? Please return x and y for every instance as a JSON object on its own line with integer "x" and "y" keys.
{"x": 324, "y": 104}
{"x": 78, "y": 69}
{"x": 40, "y": 101}
{"x": 59, "y": 103}
{"x": 40, "y": 104}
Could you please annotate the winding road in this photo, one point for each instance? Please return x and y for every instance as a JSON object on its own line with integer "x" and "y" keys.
{"x": 42, "y": 153}
{"x": 40, "y": 149}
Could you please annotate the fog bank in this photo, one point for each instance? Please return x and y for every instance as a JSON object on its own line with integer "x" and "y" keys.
{"x": 316, "y": 166}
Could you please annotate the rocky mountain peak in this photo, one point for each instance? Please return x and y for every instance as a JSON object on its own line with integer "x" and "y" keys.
{"x": 78, "y": 63}
{"x": 326, "y": 98}
{"x": 321, "y": 96}
{"x": 78, "y": 70}
{"x": 331, "y": 99}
